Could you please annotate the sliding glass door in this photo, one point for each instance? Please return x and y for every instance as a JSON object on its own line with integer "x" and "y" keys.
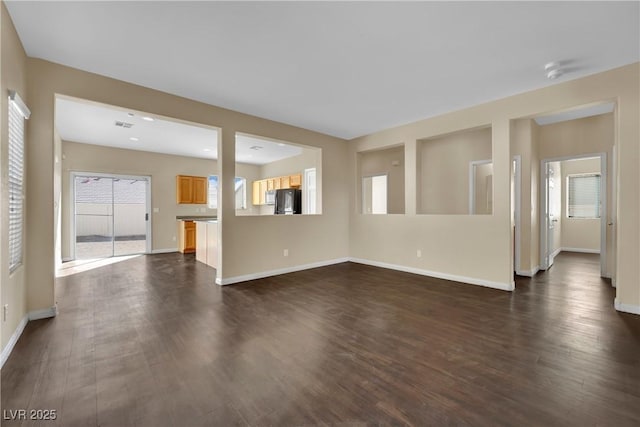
{"x": 111, "y": 215}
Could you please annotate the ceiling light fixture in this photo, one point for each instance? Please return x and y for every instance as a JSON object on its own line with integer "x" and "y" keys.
{"x": 130, "y": 114}
{"x": 134, "y": 138}
{"x": 553, "y": 70}
{"x": 207, "y": 149}
{"x": 148, "y": 119}
{"x": 256, "y": 147}
{"x": 280, "y": 144}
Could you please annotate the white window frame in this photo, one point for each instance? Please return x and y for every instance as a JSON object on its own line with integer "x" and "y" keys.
{"x": 310, "y": 186}
{"x": 243, "y": 191}
{"x": 212, "y": 199}
{"x": 17, "y": 114}
{"x": 212, "y": 202}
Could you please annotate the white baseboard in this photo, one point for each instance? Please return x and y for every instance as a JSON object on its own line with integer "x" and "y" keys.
{"x": 556, "y": 252}
{"x": 263, "y": 274}
{"x": 164, "y": 251}
{"x": 626, "y": 308}
{"x": 581, "y": 250}
{"x": 439, "y": 275}
{"x": 528, "y": 273}
{"x": 45, "y": 313}
{"x": 32, "y": 315}
{"x": 6, "y": 351}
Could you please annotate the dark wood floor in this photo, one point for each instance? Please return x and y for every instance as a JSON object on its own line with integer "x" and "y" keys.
{"x": 151, "y": 342}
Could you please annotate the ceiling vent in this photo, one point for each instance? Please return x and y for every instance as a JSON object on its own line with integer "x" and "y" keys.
{"x": 124, "y": 124}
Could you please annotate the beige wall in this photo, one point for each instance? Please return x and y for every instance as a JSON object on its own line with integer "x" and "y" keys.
{"x": 478, "y": 248}
{"x": 591, "y": 135}
{"x": 443, "y": 165}
{"x": 533, "y": 194}
{"x": 379, "y": 162}
{"x": 13, "y": 286}
{"x": 524, "y": 143}
{"x": 310, "y": 239}
{"x": 581, "y": 234}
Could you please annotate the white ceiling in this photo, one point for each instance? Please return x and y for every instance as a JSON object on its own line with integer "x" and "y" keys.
{"x": 93, "y": 123}
{"x": 341, "y": 68}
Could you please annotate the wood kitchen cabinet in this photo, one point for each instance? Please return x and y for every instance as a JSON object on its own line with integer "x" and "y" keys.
{"x": 295, "y": 181}
{"x": 255, "y": 193}
{"x": 259, "y": 189}
{"x": 270, "y": 184}
{"x": 191, "y": 189}
{"x": 263, "y": 190}
{"x": 187, "y": 234}
{"x": 200, "y": 190}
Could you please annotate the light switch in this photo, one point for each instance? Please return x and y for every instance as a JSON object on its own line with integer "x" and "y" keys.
{"x": 156, "y": 210}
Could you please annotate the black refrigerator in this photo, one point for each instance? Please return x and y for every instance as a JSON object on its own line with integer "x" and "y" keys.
{"x": 288, "y": 201}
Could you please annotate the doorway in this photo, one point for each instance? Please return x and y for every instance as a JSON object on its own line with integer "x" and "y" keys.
{"x": 111, "y": 215}
{"x": 573, "y": 207}
{"x": 374, "y": 194}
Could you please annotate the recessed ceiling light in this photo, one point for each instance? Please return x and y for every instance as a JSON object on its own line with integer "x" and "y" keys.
{"x": 149, "y": 119}
{"x": 207, "y": 149}
{"x": 281, "y": 144}
{"x": 256, "y": 147}
{"x": 130, "y": 114}
{"x": 134, "y": 138}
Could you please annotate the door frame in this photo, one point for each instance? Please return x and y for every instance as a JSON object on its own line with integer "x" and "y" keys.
{"x": 544, "y": 217}
{"x": 362, "y": 201}
{"x": 472, "y": 183}
{"x": 517, "y": 211}
{"x": 305, "y": 193}
{"x": 72, "y": 210}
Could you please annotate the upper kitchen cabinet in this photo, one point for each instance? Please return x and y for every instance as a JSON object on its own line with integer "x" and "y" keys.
{"x": 295, "y": 181}
{"x": 191, "y": 189}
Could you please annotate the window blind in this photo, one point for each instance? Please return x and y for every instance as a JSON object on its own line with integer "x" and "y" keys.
{"x": 16, "y": 184}
{"x": 584, "y": 196}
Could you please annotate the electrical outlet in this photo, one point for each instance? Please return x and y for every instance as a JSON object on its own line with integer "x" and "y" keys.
{"x": 174, "y": 238}
{"x": 156, "y": 210}
{"x": 286, "y": 252}
{"x": 419, "y": 253}
{"x": 5, "y": 312}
